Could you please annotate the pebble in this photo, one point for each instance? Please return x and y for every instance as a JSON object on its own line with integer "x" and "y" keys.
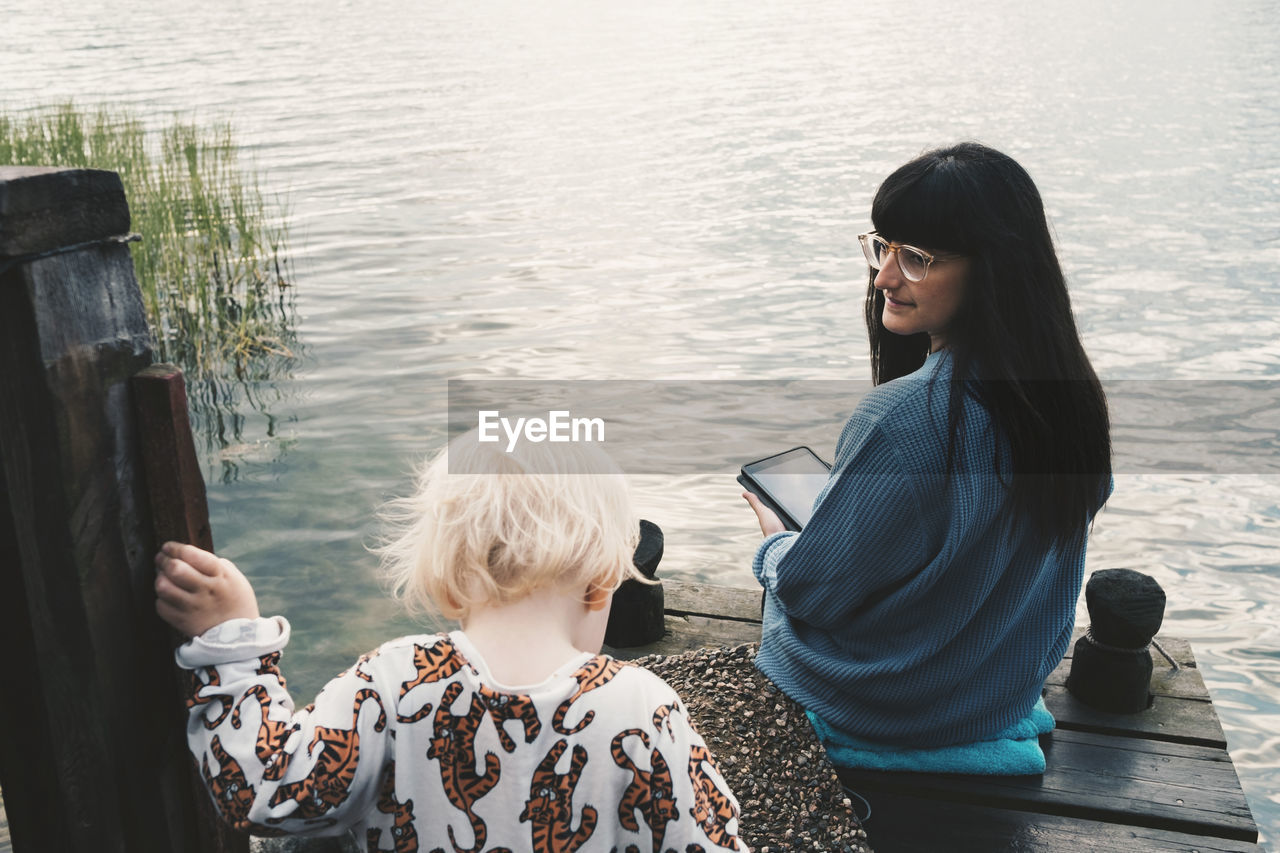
{"x": 790, "y": 796}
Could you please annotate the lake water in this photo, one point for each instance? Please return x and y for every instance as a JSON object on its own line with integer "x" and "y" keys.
{"x": 671, "y": 190}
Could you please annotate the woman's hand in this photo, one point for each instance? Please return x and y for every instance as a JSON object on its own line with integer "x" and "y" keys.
{"x": 196, "y": 590}
{"x": 769, "y": 521}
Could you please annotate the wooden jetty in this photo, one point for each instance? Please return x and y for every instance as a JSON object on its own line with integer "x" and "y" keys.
{"x": 97, "y": 466}
{"x": 1159, "y": 780}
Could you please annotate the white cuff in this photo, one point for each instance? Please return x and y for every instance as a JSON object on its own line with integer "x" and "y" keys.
{"x": 233, "y": 640}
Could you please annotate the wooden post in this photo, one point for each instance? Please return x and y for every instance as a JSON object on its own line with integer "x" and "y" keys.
{"x": 92, "y": 748}
{"x": 179, "y": 510}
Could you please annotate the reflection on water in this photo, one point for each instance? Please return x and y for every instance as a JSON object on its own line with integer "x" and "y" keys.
{"x": 247, "y": 415}
{"x": 574, "y": 191}
{"x": 210, "y": 255}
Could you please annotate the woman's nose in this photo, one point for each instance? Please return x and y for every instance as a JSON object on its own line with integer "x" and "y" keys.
{"x": 889, "y": 276}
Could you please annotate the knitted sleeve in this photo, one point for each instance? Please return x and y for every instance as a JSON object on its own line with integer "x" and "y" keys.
{"x": 269, "y": 769}
{"x": 867, "y": 535}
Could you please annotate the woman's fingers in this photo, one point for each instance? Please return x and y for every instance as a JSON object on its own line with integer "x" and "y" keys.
{"x": 769, "y": 521}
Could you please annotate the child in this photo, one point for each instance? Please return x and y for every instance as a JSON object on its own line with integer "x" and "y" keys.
{"x": 510, "y": 734}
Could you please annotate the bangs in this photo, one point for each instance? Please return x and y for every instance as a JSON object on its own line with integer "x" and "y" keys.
{"x": 923, "y": 204}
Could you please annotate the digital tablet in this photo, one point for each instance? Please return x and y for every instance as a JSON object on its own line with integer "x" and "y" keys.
{"x": 787, "y": 483}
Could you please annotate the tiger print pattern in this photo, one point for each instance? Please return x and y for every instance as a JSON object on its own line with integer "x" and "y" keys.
{"x": 652, "y": 792}
{"x": 711, "y": 808}
{"x": 662, "y": 719}
{"x": 272, "y": 734}
{"x": 230, "y": 787}
{"x": 503, "y": 707}
{"x": 453, "y": 744}
{"x": 574, "y": 766}
{"x": 549, "y": 809}
{"x": 404, "y": 836}
{"x": 196, "y": 686}
{"x": 359, "y": 668}
{"x": 329, "y": 783}
{"x": 269, "y": 664}
{"x": 595, "y": 673}
{"x": 432, "y": 663}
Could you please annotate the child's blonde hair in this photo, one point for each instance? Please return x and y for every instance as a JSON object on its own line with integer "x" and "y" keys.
{"x": 488, "y": 526}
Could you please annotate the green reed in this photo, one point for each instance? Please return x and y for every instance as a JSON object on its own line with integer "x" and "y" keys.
{"x": 211, "y": 264}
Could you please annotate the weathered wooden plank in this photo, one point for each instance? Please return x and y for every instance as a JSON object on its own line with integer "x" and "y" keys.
{"x": 1177, "y": 787}
{"x": 43, "y": 208}
{"x": 715, "y": 602}
{"x": 75, "y": 541}
{"x": 1169, "y": 718}
{"x": 685, "y": 633}
{"x": 743, "y": 604}
{"x": 5, "y": 844}
{"x": 902, "y": 823}
{"x": 1180, "y": 711}
{"x": 179, "y": 512}
{"x": 58, "y": 449}
{"x": 22, "y": 665}
{"x": 1183, "y": 683}
{"x": 179, "y": 507}
{"x": 708, "y": 615}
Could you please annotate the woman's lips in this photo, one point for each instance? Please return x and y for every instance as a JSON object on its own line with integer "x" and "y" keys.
{"x": 891, "y": 301}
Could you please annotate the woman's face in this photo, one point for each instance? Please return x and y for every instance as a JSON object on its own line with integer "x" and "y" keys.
{"x": 911, "y": 307}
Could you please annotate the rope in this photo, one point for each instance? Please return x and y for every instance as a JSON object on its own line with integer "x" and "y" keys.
{"x": 863, "y": 799}
{"x": 1173, "y": 663}
{"x": 1142, "y": 650}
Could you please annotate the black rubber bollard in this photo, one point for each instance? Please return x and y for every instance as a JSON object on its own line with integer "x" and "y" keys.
{"x": 637, "y": 616}
{"x": 1111, "y": 668}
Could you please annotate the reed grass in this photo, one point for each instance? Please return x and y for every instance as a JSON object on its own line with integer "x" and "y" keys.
{"x": 212, "y": 262}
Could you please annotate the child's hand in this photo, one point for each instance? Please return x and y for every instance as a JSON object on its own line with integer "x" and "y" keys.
{"x": 196, "y": 590}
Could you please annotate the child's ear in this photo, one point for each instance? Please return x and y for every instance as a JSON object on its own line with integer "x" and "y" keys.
{"x": 597, "y": 597}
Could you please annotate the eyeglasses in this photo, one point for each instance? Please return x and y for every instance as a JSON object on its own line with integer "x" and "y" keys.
{"x": 913, "y": 262}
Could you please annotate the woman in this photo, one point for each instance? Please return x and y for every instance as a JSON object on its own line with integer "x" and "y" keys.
{"x": 935, "y": 586}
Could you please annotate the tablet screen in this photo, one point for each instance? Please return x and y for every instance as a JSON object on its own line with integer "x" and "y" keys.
{"x": 792, "y": 479}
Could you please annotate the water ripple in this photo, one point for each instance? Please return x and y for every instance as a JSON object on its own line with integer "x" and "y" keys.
{"x": 572, "y": 190}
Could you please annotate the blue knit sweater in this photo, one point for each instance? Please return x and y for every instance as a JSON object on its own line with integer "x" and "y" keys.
{"x": 914, "y": 609}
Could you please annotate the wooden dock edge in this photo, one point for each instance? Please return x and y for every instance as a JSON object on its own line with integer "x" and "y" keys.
{"x": 1157, "y": 780}
{"x": 1055, "y": 813}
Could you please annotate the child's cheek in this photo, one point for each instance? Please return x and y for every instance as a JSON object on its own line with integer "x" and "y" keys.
{"x": 588, "y": 635}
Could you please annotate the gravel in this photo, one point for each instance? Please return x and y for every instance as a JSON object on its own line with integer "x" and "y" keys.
{"x": 790, "y": 795}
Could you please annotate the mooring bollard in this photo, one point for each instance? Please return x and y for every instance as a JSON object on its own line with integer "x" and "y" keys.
{"x": 637, "y": 616}
{"x": 1111, "y": 666}
{"x": 92, "y": 746}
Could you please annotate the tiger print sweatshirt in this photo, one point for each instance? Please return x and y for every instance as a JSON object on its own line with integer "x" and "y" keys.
{"x": 417, "y": 747}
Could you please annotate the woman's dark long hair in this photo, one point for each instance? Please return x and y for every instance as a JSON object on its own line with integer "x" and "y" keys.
{"x": 1013, "y": 339}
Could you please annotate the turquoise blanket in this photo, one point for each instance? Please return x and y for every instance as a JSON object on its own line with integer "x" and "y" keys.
{"x": 1013, "y": 752}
